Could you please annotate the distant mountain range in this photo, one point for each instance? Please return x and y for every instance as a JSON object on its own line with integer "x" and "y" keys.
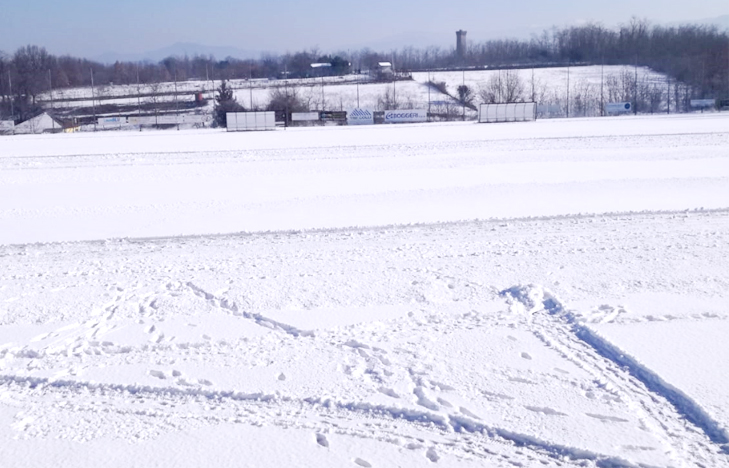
{"x": 179, "y": 49}
{"x": 417, "y": 39}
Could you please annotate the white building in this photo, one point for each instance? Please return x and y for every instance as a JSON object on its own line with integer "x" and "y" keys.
{"x": 42, "y": 123}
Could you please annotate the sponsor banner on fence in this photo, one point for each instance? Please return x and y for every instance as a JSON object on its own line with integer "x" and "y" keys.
{"x": 304, "y": 116}
{"x": 168, "y": 120}
{"x": 111, "y": 121}
{"x": 192, "y": 118}
{"x": 6, "y": 125}
{"x": 703, "y": 102}
{"x": 146, "y": 120}
{"x": 333, "y": 116}
{"x": 360, "y": 117}
{"x": 618, "y": 107}
{"x": 406, "y": 115}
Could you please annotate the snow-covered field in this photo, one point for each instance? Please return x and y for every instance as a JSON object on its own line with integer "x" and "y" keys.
{"x": 549, "y": 85}
{"x": 546, "y": 294}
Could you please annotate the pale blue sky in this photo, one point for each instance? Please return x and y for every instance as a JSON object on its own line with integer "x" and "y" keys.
{"x": 92, "y": 27}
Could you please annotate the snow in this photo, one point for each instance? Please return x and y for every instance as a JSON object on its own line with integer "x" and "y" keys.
{"x": 146, "y": 184}
{"x": 546, "y": 294}
{"x": 347, "y": 92}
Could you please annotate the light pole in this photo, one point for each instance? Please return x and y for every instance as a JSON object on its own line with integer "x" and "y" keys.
{"x": 602, "y": 98}
{"x": 429, "y": 82}
{"x": 50, "y": 90}
{"x": 10, "y": 89}
{"x": 177, "y": 110}
{"x": 568, "y": 90}
{"x": 250, "y": 85}
{"x": 463, "y": 96}
{"x": 139, "y": 100}
{"x": 93, "y": 98}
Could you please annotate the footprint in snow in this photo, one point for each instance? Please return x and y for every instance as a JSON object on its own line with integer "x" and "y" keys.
{"x": 432, "y": 455}
{"x": 281, "y": 377}
{"x": 445, "y": 403}
{"x": 321, "y": 439}
{"x": 547, "y": 411}
{"x": 360, "y": 462}
{"x": 467, "y": 412}
{"x": 526, "y": 356}
{"x": 158, "y": 374}
{"x": 389, "y": 392}
{"x": 604, "y": 418}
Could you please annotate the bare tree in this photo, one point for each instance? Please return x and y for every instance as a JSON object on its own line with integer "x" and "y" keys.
{"x": 513, "y": 86}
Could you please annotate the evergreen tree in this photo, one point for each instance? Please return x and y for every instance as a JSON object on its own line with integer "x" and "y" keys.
{"x": 225, "y": 102}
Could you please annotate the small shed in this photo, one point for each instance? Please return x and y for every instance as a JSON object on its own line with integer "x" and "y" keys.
{"x": 42, "y": 123}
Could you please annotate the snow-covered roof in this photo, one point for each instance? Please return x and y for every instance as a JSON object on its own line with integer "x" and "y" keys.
{"x": 384, "y": 64}
{"x": 38, "y": 124}
{"x": 321, "y": 65}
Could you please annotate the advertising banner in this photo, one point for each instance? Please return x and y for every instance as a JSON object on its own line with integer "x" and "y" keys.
{"x": 192, "y": 118}
{"x": 703, "y": 103}
{"x": 304, "y": 116}
{"x": 360, "y": 117}
{"x": 618, "y": 107}
{"x": 146, "y": 120}
{"x": 406, "y": 116}
{"x": 167, "y": 120}
{"x": 111, "y": 121}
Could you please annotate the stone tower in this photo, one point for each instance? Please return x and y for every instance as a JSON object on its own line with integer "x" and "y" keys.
{"x": 461, "y": 44}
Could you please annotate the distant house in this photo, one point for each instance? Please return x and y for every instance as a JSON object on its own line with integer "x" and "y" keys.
{"x": 42, "y": 123}
{"x": 383, "y": 70}
{"x": 322, "y": 69}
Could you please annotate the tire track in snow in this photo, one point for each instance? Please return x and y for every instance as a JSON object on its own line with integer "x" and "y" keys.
{"x": 563, "y": 331}
{"x": 428, "y": 420}
{"x": 258, "y": 319}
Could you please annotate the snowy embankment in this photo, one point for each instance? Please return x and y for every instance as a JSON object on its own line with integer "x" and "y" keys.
{"x": 366, "y": 346}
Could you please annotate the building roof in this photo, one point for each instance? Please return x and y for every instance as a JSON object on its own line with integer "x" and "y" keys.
{"x": 38, "y": 124}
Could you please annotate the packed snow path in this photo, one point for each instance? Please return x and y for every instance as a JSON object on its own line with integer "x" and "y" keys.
{"x": 355, "y": 347}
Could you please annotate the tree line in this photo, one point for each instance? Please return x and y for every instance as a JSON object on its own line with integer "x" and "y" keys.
{"x": 695, "y": 55}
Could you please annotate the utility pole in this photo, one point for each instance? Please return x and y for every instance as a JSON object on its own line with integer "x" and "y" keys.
{"x": 177, "y": 110}
{"x": 139, "y": 100}
{"x": 568, "y": 90}
{"x": 534, "y": 97}
{"x": 250, "y": 86}
{"x": 602, "y": 95}
{"x": 93, "y": 97}
{"x": 668, "y": 95}
{"x": 212, "y": 79}
{"x": 10, "y": 86}
{"x": 394, "y": 80}
{"x": 50, "y": 90}
{"x": 429, "y": 84}
{"x": 463, "y": 83}
{"x": 500, "y": 99}
{"x": 286, "y": 91}
{"x": 635, "y": 92}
